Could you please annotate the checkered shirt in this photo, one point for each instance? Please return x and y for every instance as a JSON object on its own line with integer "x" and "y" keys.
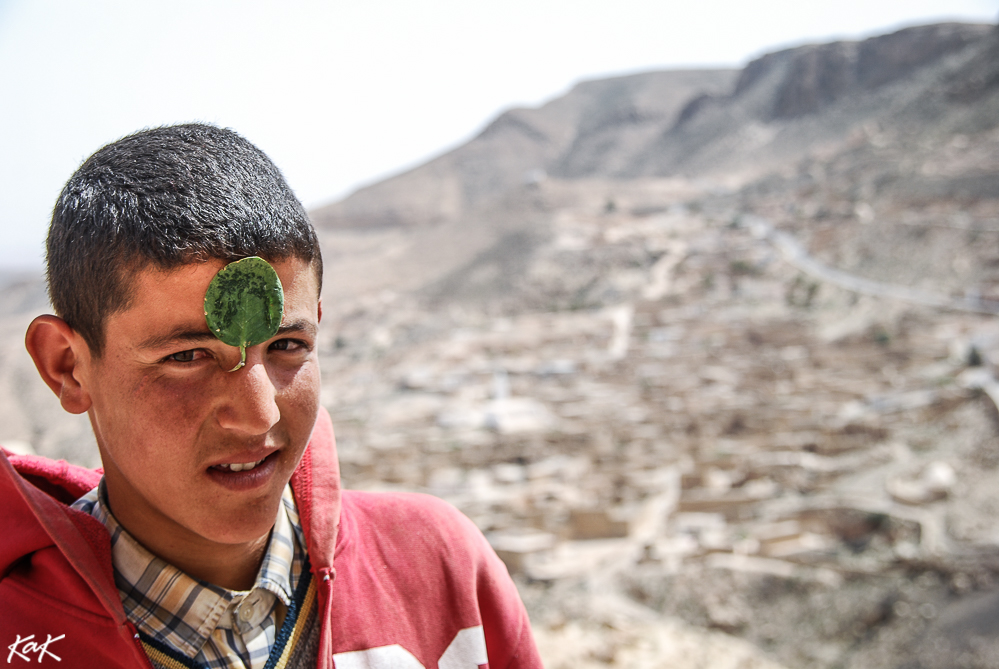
{"x": 214, "y": 627}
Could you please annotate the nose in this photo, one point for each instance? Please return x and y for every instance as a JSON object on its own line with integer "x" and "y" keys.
{"x": 249, "y": 403}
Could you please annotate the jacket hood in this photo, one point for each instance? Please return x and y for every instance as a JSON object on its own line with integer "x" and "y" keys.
{"x": 316, "y": 484}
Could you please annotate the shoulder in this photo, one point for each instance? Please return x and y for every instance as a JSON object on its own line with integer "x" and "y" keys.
{"x": 418, "y": 547}
{"x": 418, "y": 534}
{"x": 407, "y": 554}
{"x": 408, "y": 516}
{"x": 409, "y": 505}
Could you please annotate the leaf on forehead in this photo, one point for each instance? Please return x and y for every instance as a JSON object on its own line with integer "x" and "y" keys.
{"x": 244, "y": 304}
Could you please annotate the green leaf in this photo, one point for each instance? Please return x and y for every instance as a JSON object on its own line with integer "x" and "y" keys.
{"x": 244, "y": 304}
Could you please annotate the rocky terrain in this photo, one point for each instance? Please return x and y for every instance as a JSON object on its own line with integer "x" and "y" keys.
{"x": 709, "y": 356}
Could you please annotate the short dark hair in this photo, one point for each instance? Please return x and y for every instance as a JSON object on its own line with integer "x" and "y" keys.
{"x": 167, "y": 197}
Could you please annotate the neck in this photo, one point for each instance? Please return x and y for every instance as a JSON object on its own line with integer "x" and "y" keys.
{"x": 230, "y": 566}
{"x": 233, "y": 567}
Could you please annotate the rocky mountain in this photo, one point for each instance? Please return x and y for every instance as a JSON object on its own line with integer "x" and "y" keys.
{"x": 596, "y": 127}
{"x": 787, "y": 104}
{"x": 816, "y": 138}
{"x": 720, "y": 124}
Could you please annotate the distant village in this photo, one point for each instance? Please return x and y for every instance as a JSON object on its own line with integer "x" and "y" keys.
{"x": 728, "y": 420}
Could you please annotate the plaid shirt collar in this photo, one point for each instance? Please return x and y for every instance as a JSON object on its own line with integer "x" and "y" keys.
{"x": 220, "y": 628}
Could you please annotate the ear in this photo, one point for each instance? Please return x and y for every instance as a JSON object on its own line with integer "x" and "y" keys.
{"x": 319, "y": 306}
{"x": 58, "y": 352}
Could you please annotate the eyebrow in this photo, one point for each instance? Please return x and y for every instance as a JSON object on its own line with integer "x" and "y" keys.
{"x": 184, "y": 334}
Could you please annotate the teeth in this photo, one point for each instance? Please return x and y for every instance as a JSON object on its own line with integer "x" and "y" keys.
{"x": 240, "y": 466}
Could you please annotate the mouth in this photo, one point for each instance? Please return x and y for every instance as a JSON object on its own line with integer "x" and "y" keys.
{"x": 237, "y": 466}
{"x": 240, "y": 476}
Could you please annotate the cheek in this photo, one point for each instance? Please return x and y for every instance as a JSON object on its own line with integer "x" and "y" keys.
{"x": 143, "y": 423}
{"x": 171, "y": 404}
{"x": 299, "y": 393}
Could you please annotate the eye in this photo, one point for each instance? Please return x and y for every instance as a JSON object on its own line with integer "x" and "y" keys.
{"x": 288, "y": 345}
{"x": 185, "y": 356}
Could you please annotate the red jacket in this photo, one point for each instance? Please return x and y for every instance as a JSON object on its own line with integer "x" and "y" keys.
{"x": 391, "y": 569}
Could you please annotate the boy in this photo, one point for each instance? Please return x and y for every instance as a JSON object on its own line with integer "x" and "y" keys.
{"x": 218, "y": 535}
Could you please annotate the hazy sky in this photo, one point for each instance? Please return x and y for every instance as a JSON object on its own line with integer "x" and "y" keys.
{"x": 343, "y": 92}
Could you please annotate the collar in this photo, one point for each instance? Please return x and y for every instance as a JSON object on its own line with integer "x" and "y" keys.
{"x": 181, "y": 612}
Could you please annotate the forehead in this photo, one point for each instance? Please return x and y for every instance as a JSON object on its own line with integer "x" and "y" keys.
{"x": 192, "y": 278}
{"x": 161, "y": 297}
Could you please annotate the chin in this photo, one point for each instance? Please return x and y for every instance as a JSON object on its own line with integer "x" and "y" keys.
{"x": 244, "y": 526}
{"x": 244, "y": 534}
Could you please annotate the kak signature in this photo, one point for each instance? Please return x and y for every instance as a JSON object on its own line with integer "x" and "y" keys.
{"x": 40, "y": 647}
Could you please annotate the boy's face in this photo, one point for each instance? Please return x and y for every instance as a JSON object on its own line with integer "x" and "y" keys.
{"x": 169, "y": 417}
